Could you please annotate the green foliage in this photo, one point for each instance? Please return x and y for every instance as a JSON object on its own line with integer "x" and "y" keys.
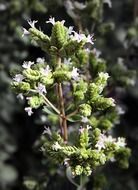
{"x": 115, "y": 39}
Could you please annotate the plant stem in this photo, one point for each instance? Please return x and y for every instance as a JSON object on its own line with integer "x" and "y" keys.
{"x": 71, "y": 114}
{"x": 63, "y": 120}
{"x": 51, "y": 105}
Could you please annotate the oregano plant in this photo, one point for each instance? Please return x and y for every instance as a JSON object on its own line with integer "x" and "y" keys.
{"x": 71, "y": 88}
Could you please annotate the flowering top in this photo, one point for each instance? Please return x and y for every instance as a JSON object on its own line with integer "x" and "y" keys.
{"x": 79, "y": 97}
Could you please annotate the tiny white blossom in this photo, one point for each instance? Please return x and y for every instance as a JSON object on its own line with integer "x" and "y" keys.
{"x": 45, "y": 71}
{"x": 101, "y": 142}
{"x": 121, "y": 142}
{"x": 75, "y": 74}
{"x": 32, "y": 23}
{"x": 120, "y": 110}
{"x": 20, "y": 96}
{"x": 103, "y": 75}
{"x": 47, "y": 131}
{"x": 78, "y": 37}
{"x": 70, "y": 30}
{"x": 88, "y": 127}
{"x": 27, "y": 64}
{"x": 56, "y": 146}
{"x": 63, "y": 21}
{"x": 29, "y": 110}
{"x": 89, "y": 39}
{"x": 67, "y": 61}
{"x": 18, "y": 78}
{"x": 51, "y": 20}
{"x": 25, "y": 32}
{"x": 40, "y": 60}
{"x": 112, "y": 101}
{"x": 109, "y": 139}
{"x": 84, "y": 119}
{"x": 41, "y": 89}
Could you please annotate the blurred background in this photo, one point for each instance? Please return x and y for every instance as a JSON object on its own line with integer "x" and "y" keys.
{"x": 115, "y": 27}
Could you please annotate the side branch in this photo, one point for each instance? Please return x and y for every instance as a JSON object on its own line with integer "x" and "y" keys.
{"x": 62, "y": 112}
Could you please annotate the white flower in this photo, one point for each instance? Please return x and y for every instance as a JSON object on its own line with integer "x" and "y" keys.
{"x": 111, "y": 101}
{"x": 27, "y": 65}
{"x": 84, "y": 119}
{"x": 56, "y": 146}
{"x": 81, "y": 129}
{"x": 40, "y": 60}
{"x": 88, "y": 127}
{"x": 67, "y": 61}
{"x": 47, "y": 131}
{"x": 121, "y": 142}
{"x": 20, "y": 96}
{"x": 29, "y": 110}
{"x": 120, "y": 110}
{"x": 63, "y": 21}
{"x": 70, "y": 30}
{"x": 45, "y": 71}
{"x": 18, "y": 78}
{"x": 100, "y": 143}
{"x": 78, "y": 37}
{"x": 89, "y": 39}
{"x": 41, "y": 89}
{"x": 51, "y": 20}
{"x": 109, "y": 139}
{"x": 75, "y": 74}
{"x": 32, "y": 23}
{"x": 103, "y": 75}
{"x": 25, "y": 32}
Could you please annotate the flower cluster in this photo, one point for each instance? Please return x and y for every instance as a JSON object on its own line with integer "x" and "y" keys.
{"x": 86, "y": 155}
{"x": 70, "y": 87}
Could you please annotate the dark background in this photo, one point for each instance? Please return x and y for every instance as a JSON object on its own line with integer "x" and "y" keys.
{"x": 19, "y": 161}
